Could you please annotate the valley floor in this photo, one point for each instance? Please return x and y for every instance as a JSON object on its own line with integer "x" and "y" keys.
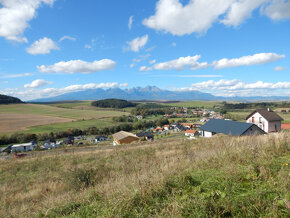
{"x": 220, "y": 176}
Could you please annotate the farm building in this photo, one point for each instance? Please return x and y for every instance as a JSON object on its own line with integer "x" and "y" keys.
{"x": 266, "y": 119}
{"x": 228, "y": 127}
{"x": 123, "y": 137}
{"x": 145, "y": 136}
{"x": 191, "y": 133}
{"x": 24, "y": 147}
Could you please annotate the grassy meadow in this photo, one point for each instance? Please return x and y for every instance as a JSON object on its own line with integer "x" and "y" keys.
{"x": 217, "y": 177}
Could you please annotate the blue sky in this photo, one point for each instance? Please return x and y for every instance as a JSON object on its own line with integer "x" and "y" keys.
{"x": 224, "y": 47}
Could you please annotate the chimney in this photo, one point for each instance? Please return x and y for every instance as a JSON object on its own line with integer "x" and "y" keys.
{"x": 269, "y": 109}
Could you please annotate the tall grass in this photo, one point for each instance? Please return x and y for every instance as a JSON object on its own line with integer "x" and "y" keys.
{"x": 222, "y": 177}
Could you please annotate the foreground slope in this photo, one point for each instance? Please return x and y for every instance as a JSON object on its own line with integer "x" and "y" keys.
{"x": 220, "y": 176}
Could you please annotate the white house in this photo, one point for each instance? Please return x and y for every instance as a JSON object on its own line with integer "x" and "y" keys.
{"x": 191, "y": 132}
{"x": 24, "y": 147}
{"x": 266, "y": 119}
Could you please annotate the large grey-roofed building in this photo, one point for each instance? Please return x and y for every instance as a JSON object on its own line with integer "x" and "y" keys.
{"x": 229, "y": 127}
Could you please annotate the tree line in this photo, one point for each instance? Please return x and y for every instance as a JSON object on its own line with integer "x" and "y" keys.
{"x": 113, "y": 103}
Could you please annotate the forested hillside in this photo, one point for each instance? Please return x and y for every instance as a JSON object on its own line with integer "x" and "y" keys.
{"x": 5, "y": 99}
{"x": 113, "y": 103}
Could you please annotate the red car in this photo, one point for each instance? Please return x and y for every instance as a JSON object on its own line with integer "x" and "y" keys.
{"x": 18, "y": 155}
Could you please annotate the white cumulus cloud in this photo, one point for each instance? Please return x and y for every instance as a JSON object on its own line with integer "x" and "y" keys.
{"x": 37, "y": 83}
{"x": 278, "y": 10}
{"x": 240, "y": 10}
{"x": 197, "y": 16}
{"x": 42, "y": 46}
{"x": 138, "y": 43}
{"x": 15, "y": 15}
{"x": 77, "y": 66}
{"x": 144, "y": 68}
{"x": 260, "y": 58}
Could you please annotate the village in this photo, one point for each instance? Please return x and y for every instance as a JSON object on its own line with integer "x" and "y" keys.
{"x": 211, "y": 123}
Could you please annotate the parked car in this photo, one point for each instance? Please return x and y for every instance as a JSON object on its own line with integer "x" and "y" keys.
{"x": 19, "y": 155}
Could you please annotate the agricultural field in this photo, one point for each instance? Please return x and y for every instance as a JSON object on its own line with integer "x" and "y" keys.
{"x": 205, "y": 104}
{"x": 221, "y": 176}
{"x": 39, "y": 118}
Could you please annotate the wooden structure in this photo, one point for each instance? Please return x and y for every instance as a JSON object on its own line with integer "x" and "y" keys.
{"x": 123, "y": 137}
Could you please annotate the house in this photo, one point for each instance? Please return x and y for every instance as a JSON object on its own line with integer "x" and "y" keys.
{"x": 123, "y": 137}
{"x": 179, "y": 127}
{"x": 24, "y": 147}
{"x": 191, "y": 133}
{"x": 285, "y": 126}
{"x": 228, "y": 127}
{"x": 157, "y": 129}
{"x": 145, "y": 136}
{"x": 166, "y": 127}
{"x": 187, "y": 125}
{"x": 69, "y": 141}
{"x": 266, "y": 119}
{"x": 100, "y": 139}
{"x": 48, "y": 144}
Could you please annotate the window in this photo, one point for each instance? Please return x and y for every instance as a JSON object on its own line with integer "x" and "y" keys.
{"x": 260, "y": 119}
{"x": 253, "y": 119}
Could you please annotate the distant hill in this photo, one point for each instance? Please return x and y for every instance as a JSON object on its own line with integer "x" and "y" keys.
{"x": 5, "y": 99}
{"x": 137, "y": 93}
{"x": 113, "y": 103}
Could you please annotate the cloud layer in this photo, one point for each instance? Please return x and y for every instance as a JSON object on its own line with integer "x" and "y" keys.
{"x": 193, "y": 63}
{"x": 15, "y": 15}
{"x": 239, "y": 88}
{"x": 30, "y": 94}
{"x": 77, "y": 66}
{"x": 197, "y": 16}
{"x": 42, "y": 46}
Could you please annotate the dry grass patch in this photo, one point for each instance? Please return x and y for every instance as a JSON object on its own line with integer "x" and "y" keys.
{"x": 223, "y": 176}
{"x": 11, "y": 122}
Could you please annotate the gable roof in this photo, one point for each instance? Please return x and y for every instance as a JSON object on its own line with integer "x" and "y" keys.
{"x": 268, "y": 114}
{"x": 122, "y": 134}
{"x": 227, "y": 127}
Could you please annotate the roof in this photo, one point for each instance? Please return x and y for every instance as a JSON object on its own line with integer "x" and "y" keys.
{"x": 100, "y": 136}
{"x": 23, "y": 145}
{"x": 146, "y": 134}
{"x": 122, "y": 134}
{"x": 268, "y": 114}
{"x": 227, "y": 127}
{"x": 190, "y": 131}
{"x": 285, "y": 126}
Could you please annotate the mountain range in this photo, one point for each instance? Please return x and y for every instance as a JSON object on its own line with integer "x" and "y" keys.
{"x": 147, "y": 93}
